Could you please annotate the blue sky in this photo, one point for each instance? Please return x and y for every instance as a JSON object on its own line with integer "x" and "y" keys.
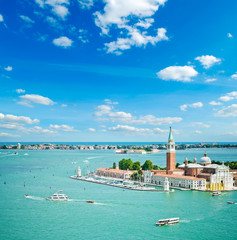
{"x": 121, "y": 70}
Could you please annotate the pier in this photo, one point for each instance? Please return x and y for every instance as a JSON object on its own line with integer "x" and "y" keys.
{"x": 130, "y": 187}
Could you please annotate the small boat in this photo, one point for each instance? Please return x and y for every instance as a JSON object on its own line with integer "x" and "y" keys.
{"x": 26, "y": 195}
{"x": 216, "y": 193}
{"x": 90, "y": 202}
{"x": 58, "y": 197}
{"x": 230, "y": 202}
{"x": 167, "y": 221}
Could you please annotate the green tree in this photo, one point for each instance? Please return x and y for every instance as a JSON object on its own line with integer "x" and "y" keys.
{"x": 147, "y": 165}
{"x": 4, "y": 147}
{"x": 155, "y": 167}
{"x": 22, "y": 146}
{"x": 136, "y": 165}
{"x": 177, "y": 165}
{"x": 114, "y": 165}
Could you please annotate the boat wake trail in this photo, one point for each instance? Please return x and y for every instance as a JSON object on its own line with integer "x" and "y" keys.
{"x": 93, "y": 157}
{"x": 185, "y": 221}
{"x": 35, "y": 198}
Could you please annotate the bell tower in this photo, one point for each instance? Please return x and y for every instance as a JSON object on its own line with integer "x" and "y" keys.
{"x": 170, "y": 154}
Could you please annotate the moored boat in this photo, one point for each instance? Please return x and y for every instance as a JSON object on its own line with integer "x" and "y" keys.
{"x": 167, "y": 221}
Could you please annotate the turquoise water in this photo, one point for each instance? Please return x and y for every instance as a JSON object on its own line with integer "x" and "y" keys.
{"x": 118, "y": 214}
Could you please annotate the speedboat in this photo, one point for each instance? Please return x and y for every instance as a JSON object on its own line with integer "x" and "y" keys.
{"x": 58, "y": 196}
{"x": 216, "y": 193}
{"x": 167, "y": 221}
{"x": 230, "y": 202}
{"x": 90, "y": 202}
{"x": 26, "y": 195}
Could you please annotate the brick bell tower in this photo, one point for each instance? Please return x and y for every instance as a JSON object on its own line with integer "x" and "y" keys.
{"x": 170, "y": 154}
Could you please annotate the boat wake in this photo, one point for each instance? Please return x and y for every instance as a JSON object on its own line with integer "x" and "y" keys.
{"x": 185, "y": 221}
{"x": 35, "y": 198}
{"x": 93, "y": 157}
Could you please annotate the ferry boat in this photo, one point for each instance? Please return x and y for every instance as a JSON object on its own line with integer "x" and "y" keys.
{"x": 58, "y": 197}
{"x": 216, "y": 193}
{"x": 167, "y": 221}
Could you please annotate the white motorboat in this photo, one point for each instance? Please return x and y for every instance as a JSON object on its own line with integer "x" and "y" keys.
{"x": 58, "y": 196}
{"x": 167, "y": 221}
{"x": 216, "y": 193}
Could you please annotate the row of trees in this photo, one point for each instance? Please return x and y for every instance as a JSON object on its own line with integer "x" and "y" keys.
{"x": 231, "y": 165}
{"x": 125, "y": 164}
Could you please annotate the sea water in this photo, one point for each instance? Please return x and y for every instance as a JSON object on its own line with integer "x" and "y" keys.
{"x": 117, "y": 214}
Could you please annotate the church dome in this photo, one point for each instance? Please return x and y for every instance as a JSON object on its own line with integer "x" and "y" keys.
{"x": 205, "y": 160}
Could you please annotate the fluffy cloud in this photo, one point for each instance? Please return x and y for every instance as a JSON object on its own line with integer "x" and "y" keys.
{"x": 135, "y": 38}
{"x": 200, "y": 124}
{"x": 26, "y": 19}
{"x": 229, "y": 96}
{"x": 64, "y": 42}
{"x": 12, "y": 127}
{"x": 63, "y": 127}
{"x": 140, "y": 131}
{"x": 197, "y": 132}
{"x": 130, "y": 20}
{"x": 108, "y": 101}
{"x": 40, "y": 130}
{"x": 208, "y": 60}
{"x": 177, "y": 73}
{"x": 229, "y": 35}
{"x": 234, "y": 76}
{"x": 193, "y": 105}
{"x": 214, "y": 103}
{"x": 86, "y": 3}
{"x": 210, "y": 80}
{"x": 20, "y": 90}
{"x": 91, "y": 130}
{"x": 106, "y": 113}
{"x": 8, "y": 135}
{"x": 58, "y": 7}
{"x": 8, "y": 118}
{"x": 230, "y": 111}
{"x": 8, "y": 68}
{"x": 1, "y": 18}
{"x": 28, "y": 99}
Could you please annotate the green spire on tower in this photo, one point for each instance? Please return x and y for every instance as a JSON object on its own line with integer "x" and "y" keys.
{"x": 170, "y": 139}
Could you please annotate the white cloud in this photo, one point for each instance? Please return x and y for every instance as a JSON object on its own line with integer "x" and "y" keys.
{"x": 40, "y": 130}
{"x": 135, "y": 38}
{"x": 210, "y": 80}
{"x": 8, "y": 135}
{"x": 58, "y": 7}
{"x": 208, "y": 60}
{"x": 229, "y": 96}
{"x": 28, "y": 99}
{"x": 64, "y": 42}
{"x": 108, "y": 101}
{"x": 1, "y": 18}
{"x": 214, "y": 103}
{"x": 200, "y": 124}
{"x": 26, "y": 19}
{"x": 8, "y": 118}
{"x": 8, "y": 68}
{"x": 106, "y": 113}
{"x": 20, "y": 90}
{"x": 86, "y": 3}
{"x": 132, "y": 18}
{"x": 83, "y": 35}
{"x": 234, "y": 76}
{"x": 197, "y": 132}
{"x": 229, "y": 35}
{"x": 12, "y": 127}
{"x": 91, "y": 130}
{"x": 177, "y": 73}
{"x": 62, "y": 127}
{"x": 193, "y": 105}
{"x": 140, "y": 131}
{"x": 102, "y": 110}
{"x": 230, "y": 111}
{"x": 63, "y": 105}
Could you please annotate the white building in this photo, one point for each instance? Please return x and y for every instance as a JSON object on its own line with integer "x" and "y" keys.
{"x": 18, "y": 146}
{"x": 221, "y": 178}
